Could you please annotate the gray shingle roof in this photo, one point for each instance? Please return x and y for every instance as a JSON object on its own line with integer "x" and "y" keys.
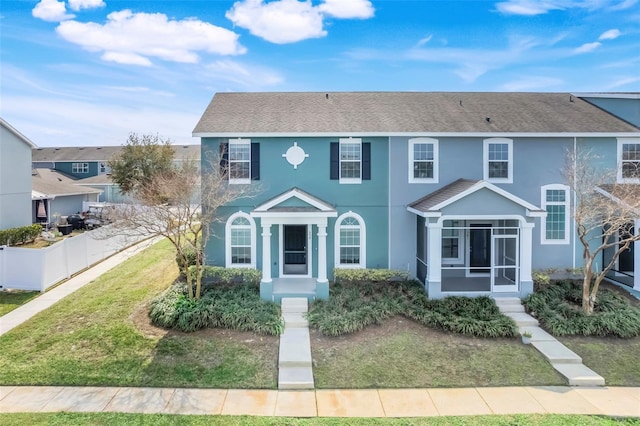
{"x": 443, "y": 194}
{"x": 404, "y": 112}
{"x": 98, "y": 153}
{"x": 53, "y": 183}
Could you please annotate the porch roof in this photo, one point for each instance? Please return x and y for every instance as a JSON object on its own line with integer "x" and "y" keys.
{"x": 432, "y": 204}
{"x": 303, "y": 202}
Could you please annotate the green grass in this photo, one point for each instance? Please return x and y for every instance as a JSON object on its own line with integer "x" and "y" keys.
{"x": 89, "y": 338}
{"x": 10, "y": 300}
{"x": 64, "y": 419}
{"x": 404, "y": 354}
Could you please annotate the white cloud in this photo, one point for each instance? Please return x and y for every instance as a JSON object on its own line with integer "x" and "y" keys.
{"x": 282, "y": 21}
{"x": 539, "y": 7}
{"x": 530, "y": 83}
{"x": 85, "y": 4}
{"x": 135, "y": 38}
{"x": 249, "y": 77}
{"x": 425, "y": 40}
{"x": 588, "y": 47}
{"x": 610, "y": 35}
{"x": 290, "y": 21}
{"x": 347, "y": 9}
{"x": 624, "y": 81}
{"x": 51, "y": 11}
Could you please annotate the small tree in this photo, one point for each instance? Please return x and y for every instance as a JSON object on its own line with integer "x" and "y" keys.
{"x": 180, "y": 203}
{"x": 604, "y": 214}
{"x": 141, "y": 158}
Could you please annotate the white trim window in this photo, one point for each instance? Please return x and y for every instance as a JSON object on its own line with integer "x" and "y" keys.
{"x": 555, "y": 227}
{"x": 350, "y": 241}
{"x": 104, "y": 168}
{"x": 423, "y": 160}
{"x": 452, "y": 242}
{"x": 498, "y": 160}
{"x": 351, "y": 160}
{"x": 80, "y": 168}
{"x": 629, "y": 160}
{"x": 239, "y": 161}
{"x": 240, "y": 241}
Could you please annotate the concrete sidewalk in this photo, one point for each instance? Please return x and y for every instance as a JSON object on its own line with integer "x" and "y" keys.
{"x": 47, "y": 299}
{"x": 609, "y": 401}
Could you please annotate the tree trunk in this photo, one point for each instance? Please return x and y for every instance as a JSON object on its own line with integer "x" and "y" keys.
{"x": 587, "y": 304}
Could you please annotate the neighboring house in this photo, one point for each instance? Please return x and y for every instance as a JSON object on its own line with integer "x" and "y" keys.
{"x": 89, "y": 165}
{"x": 15, "y": 177}
{"x": 55, "y": 194}
{"x": 462, "y": 190}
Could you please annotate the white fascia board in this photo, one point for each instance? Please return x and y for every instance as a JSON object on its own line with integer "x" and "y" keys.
{"x": 607, "y": 95}
{"x": 17, "y": 134}
{"x": 484, "y": 184}
{"x": 426, "y": 133}
{"x": 291, "y": 194}
{"x": 283, "y": 215}
{"x": 423, "y": 214}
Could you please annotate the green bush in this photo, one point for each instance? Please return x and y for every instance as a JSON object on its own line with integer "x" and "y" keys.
{"x": 190, "y": 255}
{"x": 236, "y": 307}
{"x": 351, "y": 307}
{"x": 362, "y": 276}
{"x": 20, "y": 235}
{"x": 559, "y": 310}
{"x": 214, "y": 275}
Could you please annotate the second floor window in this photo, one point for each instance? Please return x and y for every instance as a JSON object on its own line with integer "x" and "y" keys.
{"x": 240, "y": 160}
{"x": 498, "y": 160}
{"x": 80, "y": 168}
{"x": 423, "y": 160}
{"x": 350, "y": 160}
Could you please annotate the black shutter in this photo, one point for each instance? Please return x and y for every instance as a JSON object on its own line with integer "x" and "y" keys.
{"x": 335, "y": 161}
{"x": 224, "y": 159}
{"x": 255, "y": 161}
{"x": 366, "y": 161}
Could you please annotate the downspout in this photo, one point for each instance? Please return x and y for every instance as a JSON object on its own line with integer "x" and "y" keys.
{"x": 575, "y": 200}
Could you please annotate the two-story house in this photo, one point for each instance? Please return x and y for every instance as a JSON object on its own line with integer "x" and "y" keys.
{"x": 15, "y": 177}
{"x": 464, "y": 191}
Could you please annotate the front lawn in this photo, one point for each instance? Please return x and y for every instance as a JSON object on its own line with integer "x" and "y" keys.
{"x": 12, "y": 299}
{"x": 101, "y": 335}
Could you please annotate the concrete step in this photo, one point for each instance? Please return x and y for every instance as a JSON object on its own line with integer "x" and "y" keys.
{"x": 278, "y": 297}
{"x": 507, "y": 300}
{"x": 295, "y": 378}
{"x": 295, "y": 348}
{"x": 510, "y": 308}
{"x": 579, "y": 375}
{"x": 294, "y": 305}
{"x": 556, "y": 352}
{"x": 295, "y": 320}
{"x": 522, "y": 319}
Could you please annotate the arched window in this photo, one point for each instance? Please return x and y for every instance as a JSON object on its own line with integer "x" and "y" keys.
{"x": 240, "y": 241}
{"x": 350, "y": 241}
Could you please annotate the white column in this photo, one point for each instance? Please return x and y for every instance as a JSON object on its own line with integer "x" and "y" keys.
{"x": 526, "y": 244}
{"x": 322, "y": 253}
{"x": 434, "y": 252}
{"x": 636, "y": 257}
{"x": 266, "y": 252}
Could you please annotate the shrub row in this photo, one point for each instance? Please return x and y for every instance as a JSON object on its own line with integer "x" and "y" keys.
{"x": 20, "y": 235}
{"x": 236, "y": 307}
{"x": 353, "y": 307}
{"x": 213, "y": 275}
{"x": 558, "y": 308}
{"x": 360, "y": 276}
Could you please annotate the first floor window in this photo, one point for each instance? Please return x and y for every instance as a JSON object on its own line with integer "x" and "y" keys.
{"x": 423, "y": 160}
{"x": 350, "y": 237}
{"x": 80, "y": 168}
{"x": 241, "y": 240}
{"x": 498, "y": 159}
{"x": 451, "y": 241}
{"x": 555, "y": 201}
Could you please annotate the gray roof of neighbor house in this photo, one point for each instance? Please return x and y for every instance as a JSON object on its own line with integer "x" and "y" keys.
{"x": 53, "y": 183}
{"x": 99, "y": 153}
{"x": 387, "y": 113}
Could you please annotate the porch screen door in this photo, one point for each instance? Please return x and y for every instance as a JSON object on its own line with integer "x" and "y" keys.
{"x": 295, "y": 249}
{"x": 505, "y": 267}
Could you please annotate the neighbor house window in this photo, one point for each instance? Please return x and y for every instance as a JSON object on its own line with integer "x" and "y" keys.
{"x": 629, "y": 160}
{"x": 350, "y": 237}
{"x": 498, "y": 160}
{"x": 104, "y": 168}
{"x": 80, "y": 168}
{"x": 451, "y": 242}
{"x": 240, "y": 238}
{"x": 555, "y": 227}
{"x": 423, "y": 160}
{"x": 240, "y": 160}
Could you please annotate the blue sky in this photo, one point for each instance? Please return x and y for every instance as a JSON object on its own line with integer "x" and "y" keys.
{"x": 89, "y": 72}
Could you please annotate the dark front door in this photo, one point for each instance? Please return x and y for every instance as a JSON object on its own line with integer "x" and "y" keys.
{"x": 625, "y": 260}
{"x": 480, "y": 248}
{"x": 295, "y": 250}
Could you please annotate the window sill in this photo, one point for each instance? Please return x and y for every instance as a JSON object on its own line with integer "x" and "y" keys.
{"x": 350, "y": 181}
{"x": 239, "y": 181}
{"x": 423, "y": 180}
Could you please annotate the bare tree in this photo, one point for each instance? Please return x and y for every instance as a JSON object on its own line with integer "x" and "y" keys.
{"x": 181, "y": 204}
{"x": 604, "y": 214}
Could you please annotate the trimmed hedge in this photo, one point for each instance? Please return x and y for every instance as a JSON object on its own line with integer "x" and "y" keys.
{"x": 20, "y": 235}
{"x": 361, "y": 276}
{"x": 351, "y": 307}
{"x": 213, "y": 275}
{"x": 236, "y": 307}
{"x": 558, "y": 308}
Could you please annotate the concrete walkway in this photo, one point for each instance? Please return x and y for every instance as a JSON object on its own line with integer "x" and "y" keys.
{"x": 295, "y": 369}
{"x": 47, "y": 299}
{"x": 612, "y": 401}
{"x": 566, "y": 362}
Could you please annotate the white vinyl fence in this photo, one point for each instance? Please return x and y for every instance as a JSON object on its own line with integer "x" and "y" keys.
{"x": 39, "y": 269}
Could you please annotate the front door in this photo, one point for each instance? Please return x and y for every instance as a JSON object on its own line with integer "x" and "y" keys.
{"x": 295, "y": 250}
{"x": 480, "y": 248}
{"x": 625, "y": 260}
